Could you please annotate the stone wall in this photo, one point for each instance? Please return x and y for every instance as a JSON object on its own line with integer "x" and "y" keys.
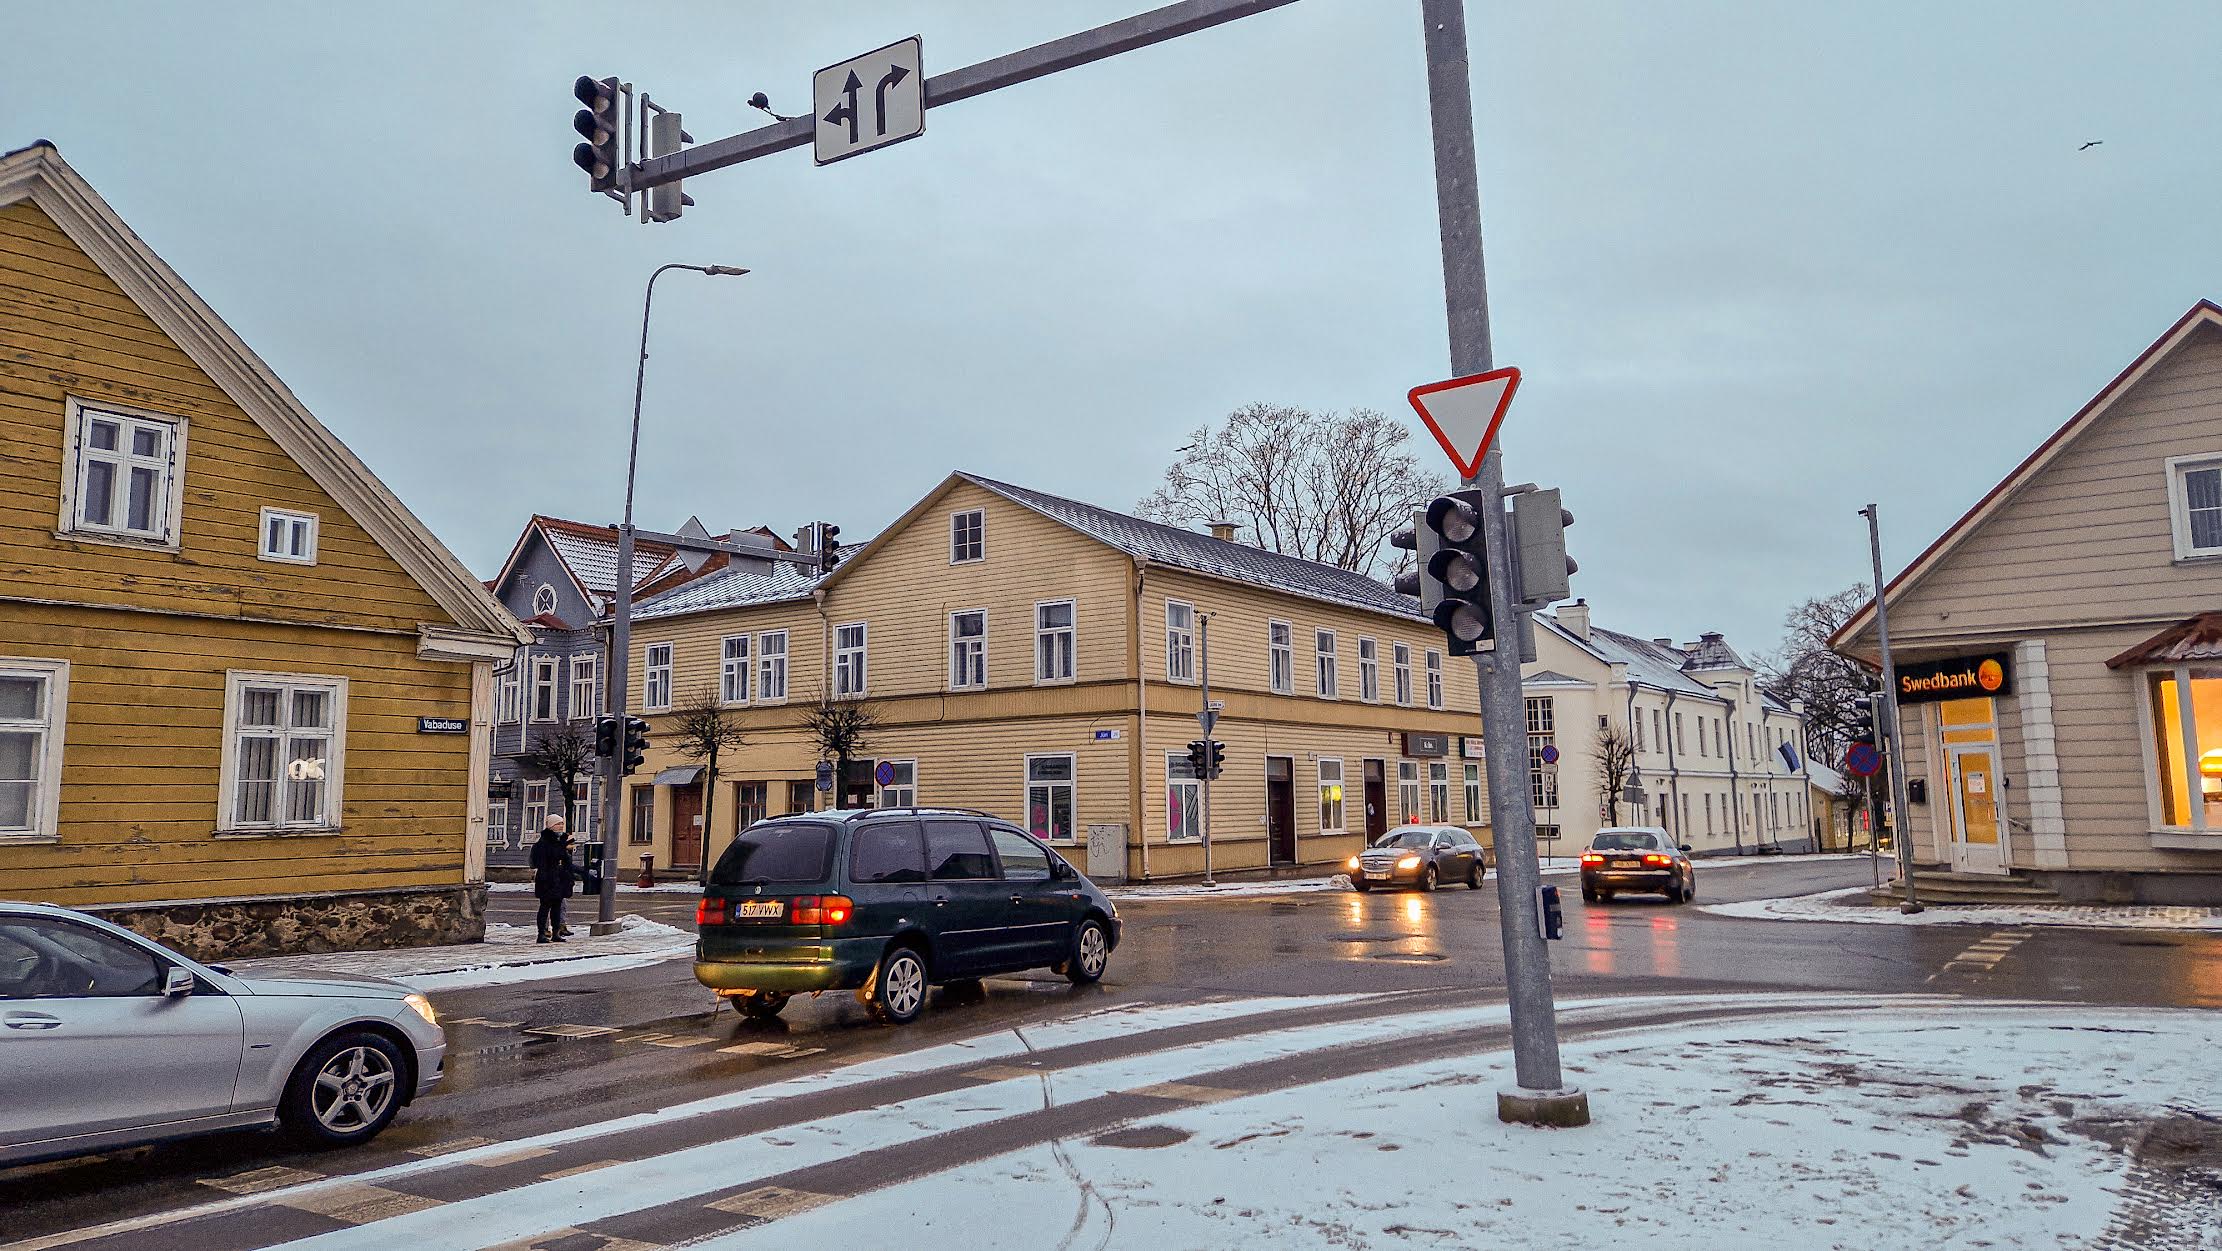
{"x": 233, "y": 929}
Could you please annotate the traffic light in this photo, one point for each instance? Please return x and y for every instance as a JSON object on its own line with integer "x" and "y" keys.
{"x": 1458, "y": 569}
{"x": 1199, "y": 757}
{"x": 636, "y": 743}
{"x": 605, "y": 737}
{"x": 1217, "y": 760}
{"x": 1421, "y": 542}
{"x": 1539, "y": 546}
{"x": 598, "y": 124}
{"x": 665, "y": 138}
{"x": 1860, "y": 722}
{"x": 829, "y": 545}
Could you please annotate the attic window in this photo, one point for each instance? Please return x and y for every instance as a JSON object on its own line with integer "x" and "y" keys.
{"x": 124, "y": 479}
{"x": 288, "y": 537}
{"x": 543, "y": 600}
{"x": 967, "y": 536}
{"x": 2195, "y": 493}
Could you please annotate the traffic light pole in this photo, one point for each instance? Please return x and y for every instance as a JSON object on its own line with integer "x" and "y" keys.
{"x": 1203, "y": 673}
{"x": 1541, "y": 1096}
{"x": 1900, "y": 844}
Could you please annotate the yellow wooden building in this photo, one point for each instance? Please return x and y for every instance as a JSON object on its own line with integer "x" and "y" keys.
{"x": 1041, "y": 659}
{"x": 244, "y": 694}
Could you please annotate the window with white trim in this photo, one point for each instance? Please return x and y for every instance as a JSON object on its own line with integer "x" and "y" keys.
{"x": 1049, "y": 797}
{"x": 1053, "y": 641}
{"x": 1542, "y": 733}
{"x": 34, "y": 704}
{"x": 848, "y": 660}
{"x": 1323, "y": 652}
{"x": 1400, "y": 658}
{"x": 968, "y": 650}
{"x": 582, "y": 807}
{"x": 1180, "y": 641}
{"x": 967, "y": 536}
{"x": 902, "y": 791}
{"x": 536, "y": 808}
{"x": 655, "y": 664}
{"x": 733, "y": 669}
{"x": 771, "y": 666}
{"x": 543, "y": 599}
{"x": 1408, "y": 791}
{"x": 285, "y": 741}
{"x": 497, "y": 821}
{"x": 586, "y": 691}
{"x": 1280, "y": 652}
{"x": 288, "y": 537}
{"x": 2186, "y": 737}
{"x": 509, "y": 695}
{"x": 1369, "y": 671}
{"x": 1475, "y": 815}
{"x": 2195, "y": 505}
{"x": 1183, "y": 800}
{"x": 1434, "y": 679}
{"x": 543, "y": 688}
{"x": 125, "y": 475}
{"x": 1635, "y": 724}
{"x": 1438, "y": 791}
{"x": 1330, "y": 796}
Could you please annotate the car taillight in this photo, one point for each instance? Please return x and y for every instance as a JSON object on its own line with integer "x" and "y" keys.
{"x": 820, "y": 910}
{"x": 1591, "y": 857}
{"x": 1656, "y": 859}
{"x": 710, "y": 912}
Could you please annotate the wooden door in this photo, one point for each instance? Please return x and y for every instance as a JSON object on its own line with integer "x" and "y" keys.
{"x": 686, "y": 827}
{"x": 1377, "y": 800}
{"x": 1280, "y": 810}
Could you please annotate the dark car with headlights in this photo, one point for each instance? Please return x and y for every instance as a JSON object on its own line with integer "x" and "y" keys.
{"x": 887, "y": 902}
{"x": 1637, "y": 858}
{"x": 1424, "y": 856}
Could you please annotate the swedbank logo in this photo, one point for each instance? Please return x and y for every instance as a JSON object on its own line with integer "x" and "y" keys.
{"x": 1959, "y": 678}
{"x": 1990, "y": 675}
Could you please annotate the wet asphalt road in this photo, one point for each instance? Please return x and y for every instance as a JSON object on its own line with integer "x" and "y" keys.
{"x": 648, "y": 1038}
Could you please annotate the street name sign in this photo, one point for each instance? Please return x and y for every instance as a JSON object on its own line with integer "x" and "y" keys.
{"x": 443, "y": 725}
{"x": 868, "y": 102}
{"x": 1463, "y": 413}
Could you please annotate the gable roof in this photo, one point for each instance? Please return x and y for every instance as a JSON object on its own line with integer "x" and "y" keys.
{"x": 2204, "y": 313}
{"x": 733, "y": 588}
{"x": 1710, "y": 652}
{"x": 39, "y": 174}
{"x": 587, "y": 552}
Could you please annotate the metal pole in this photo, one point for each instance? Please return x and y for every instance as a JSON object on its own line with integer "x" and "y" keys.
{"x": 1900, "y": 842}
{"x": 1874, "y": 832}
{"x": 1541, "y": 1096}
{"x": 1203, "y": 644}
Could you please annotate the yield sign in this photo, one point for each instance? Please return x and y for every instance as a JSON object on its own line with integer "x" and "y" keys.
{"x": 1464, "y": 413}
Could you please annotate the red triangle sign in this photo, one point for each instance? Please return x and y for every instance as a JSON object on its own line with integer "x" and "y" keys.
{"x": 1464, "y": 413}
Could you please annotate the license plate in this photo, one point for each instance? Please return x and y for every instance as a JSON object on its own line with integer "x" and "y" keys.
{"x": 1377, "y": 873}
{"x": 761, "y": 908}
{"x": 1627, "y": 864}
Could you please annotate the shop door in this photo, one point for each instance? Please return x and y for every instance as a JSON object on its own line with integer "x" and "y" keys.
{"x": 1280, "y": 811}
{"x": 1976, "y": 845}
{"x": 686, "y": 827}
{"x": 1377, "y": 801}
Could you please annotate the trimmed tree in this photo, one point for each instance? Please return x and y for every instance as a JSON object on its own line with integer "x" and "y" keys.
{"x": 841, "y": 729}
{"x": 1614, "y": 756}
{"x": 562, "y": 752}
{"x": 702, "y": 730}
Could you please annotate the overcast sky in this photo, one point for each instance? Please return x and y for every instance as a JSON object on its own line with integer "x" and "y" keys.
{"x": 1760, "y": 264}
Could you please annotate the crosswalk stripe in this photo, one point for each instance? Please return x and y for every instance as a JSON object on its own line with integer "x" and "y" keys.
{"x": 769, "y": 1203}
{"x": 359, "y": 1205}
{"x": 573, "y": 1031}
{"x": 256, "y": 1181}
{"x": 1186, "y": 1092}
{"x": 449, "y": 1147}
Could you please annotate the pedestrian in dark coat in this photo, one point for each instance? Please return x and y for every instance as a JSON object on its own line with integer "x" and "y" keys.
{"x": 552, "y": 877}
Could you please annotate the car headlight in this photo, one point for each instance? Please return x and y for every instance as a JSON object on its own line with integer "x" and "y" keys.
{"x": 1409, "y": 862}
{"x": 422, "y": 1007}
{"x": 1354, "y": 862}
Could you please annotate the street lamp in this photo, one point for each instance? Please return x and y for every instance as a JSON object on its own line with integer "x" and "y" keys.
{"x": 621, "y": 623}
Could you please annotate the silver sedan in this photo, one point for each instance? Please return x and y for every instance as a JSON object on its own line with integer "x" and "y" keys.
{"x": 110, "y": 1040}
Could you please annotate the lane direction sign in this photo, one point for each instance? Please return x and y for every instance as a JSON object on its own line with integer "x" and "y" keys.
{"x": 868, "y": 102}
{"x": 1463, "y": 413}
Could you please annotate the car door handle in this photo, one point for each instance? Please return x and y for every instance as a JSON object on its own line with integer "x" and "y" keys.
{"x": 941, "y": 901}
{"x": 1017, "y": 899}
{"x": 33, "y": 1020}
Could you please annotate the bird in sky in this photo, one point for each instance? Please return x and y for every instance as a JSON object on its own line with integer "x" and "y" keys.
{"x": 2090, "y": 145}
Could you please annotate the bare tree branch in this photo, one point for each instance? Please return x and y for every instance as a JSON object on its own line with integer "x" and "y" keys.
{"x": 1827, "y": 682}
{"x": 1614, "y": 754}
{"x": 842, "y": 729}
{"x": 562, "y": 752}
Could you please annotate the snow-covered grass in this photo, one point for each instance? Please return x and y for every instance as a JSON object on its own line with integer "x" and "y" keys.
{"x": 1946, "y": 1126}
{"x": 509, "y": 954}
{"x": 1852, "y": 905}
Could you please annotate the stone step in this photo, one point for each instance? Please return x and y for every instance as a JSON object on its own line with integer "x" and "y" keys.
{"x": 1945, "y": 886}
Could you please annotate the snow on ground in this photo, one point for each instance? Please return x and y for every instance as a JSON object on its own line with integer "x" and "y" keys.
{"x": 1945, "y": 1126}
{"x": 508, "y": 955}
{"x": 682, "y": 887}
{"x": 1853, "y": 905}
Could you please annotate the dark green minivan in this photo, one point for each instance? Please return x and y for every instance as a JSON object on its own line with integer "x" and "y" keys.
{"x": 887, "y": 902}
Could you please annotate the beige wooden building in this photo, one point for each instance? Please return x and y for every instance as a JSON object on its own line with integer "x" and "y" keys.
{"x": 1041, "y": 659}
{"x": 2060, "y": 648}
{"x": 243, "y": 692}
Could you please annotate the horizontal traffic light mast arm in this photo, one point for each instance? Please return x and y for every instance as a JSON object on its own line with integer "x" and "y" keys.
{"x": 1009, "y": 70}
{"x": 684, "y": 543}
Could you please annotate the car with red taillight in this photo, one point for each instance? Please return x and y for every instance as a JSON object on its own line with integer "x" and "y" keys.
{"x": 1640, "y": 858}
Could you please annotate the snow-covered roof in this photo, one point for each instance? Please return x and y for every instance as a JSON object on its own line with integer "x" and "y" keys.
{"x": 732, "y": 588}
{"x": 1550, "y": 677}
{"x": 1710, "y": 652}
{"x": 1824, "y": 778}
{"x": 1654, "y": 665}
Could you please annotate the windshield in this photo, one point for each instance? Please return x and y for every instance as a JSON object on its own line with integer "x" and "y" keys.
{"x": 1625, "y": 841}
{"x": 777, "y": 852}
{"x": 1406, "y": 838}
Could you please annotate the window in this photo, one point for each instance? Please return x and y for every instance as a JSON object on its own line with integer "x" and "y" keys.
{"x": 733, "y": 664}
{"x": 1323, "y": 651}
{"x": 801, "y": 796}
{"x": 848, "y": 660}
{"x": 1053, "y": 641}
{"x": 1049, "y": 782}
{"x": 902, "y": 792}
{"x": 1400, "y": 659}
{"x": 288, "y": 537}
{"x": 1701, "y": 737}
{"x": 1635, "y": 724}
{"x": 49, "y": 958}
{"x": 124, "y": 478}
{"x": 888, "y": 851}
{"x": 1024, "y": 860}
{"x": 657, "y": 662}
{"x": 751, "y": 802}
{"x": 1474, "y": 814}
{"x": 1542, "y": 733}
{"x": 957, "y": 851}
{"x": 586, "y": 696}
{"x": 1681, "y": 743}
{"x": 1708, "y": 814}
{"x": 1434, "y": 679}
{"x": 497, "y": 822}
{"x": 1438, "y": 791}
{"x": 34, "y": 702}
{"x": 1330, "y": 797}
{"x": 2195, "y": 505}
{"x": 284, "y": 740}
{"x": 536, "y": 808}
{"x": 1369, "y": 671}
{"x": 543, "y": 688}
{"x": 1280, "y": 653}
{"x": 1183, "y": 800}
{"x": 1658, "y": 732}
{"x": 2187, "y": 744}
{"x": 509, "y": 700}
{"x": 968, "y": 650}
{"x": 1180, "y": 641}
{"x": 771, "y": 666}
{"x": 642, "y": 830}
{"x": 582, "y": 807}
{"x": 543, "y": 599}
{"x": 1408, "y": 791}
{"x": 967, "y": 533}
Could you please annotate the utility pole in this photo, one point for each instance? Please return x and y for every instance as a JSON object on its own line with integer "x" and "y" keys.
{"x": 1896, "y": 757}
{"x": 1210, "y": 723}
{"x": 1541, "y": 1096}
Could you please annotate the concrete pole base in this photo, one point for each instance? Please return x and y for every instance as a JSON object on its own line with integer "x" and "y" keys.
{"x": 1552, "y": 1109}
{"x": 599, "y": 928}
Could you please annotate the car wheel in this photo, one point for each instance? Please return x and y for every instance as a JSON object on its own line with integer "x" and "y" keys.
{"x": 1427, "y": 878}
{"x": 1091, "y": 951}
{"x": 1673, "y": 892}
{"x": 763, "y": 1005}
{"x": 345, "y": 1090}
{"x": 1605, "y": 895}
{"x": 1359, "y": 886}
{"x": 1689, "y": 889}
{"x": 1473, "y": 876}
{"x": 1588, "y": 895}
{"x": 899, "y": 988}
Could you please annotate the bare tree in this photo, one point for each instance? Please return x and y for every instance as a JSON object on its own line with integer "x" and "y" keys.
{"x": 1827, "y": 681}
{"x": 702, "y": 730}
{"x": 562, "y": 752}
{"x": 1614, "y": 755}
{"x": 842, "y": 729}
{"x": 1330, "y": 487}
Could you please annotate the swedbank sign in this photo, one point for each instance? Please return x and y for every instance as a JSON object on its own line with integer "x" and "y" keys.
{"x": 1962, "y": 677}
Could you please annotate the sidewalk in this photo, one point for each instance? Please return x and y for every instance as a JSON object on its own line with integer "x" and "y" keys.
{"x": 508, "y": 955}
{"x": 1855, "y": 906}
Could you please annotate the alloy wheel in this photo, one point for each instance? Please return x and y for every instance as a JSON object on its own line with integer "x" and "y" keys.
{"x": 904, "y": 986}
{"x": 353, "y": 1089}
{"x": 1095, "y": 949}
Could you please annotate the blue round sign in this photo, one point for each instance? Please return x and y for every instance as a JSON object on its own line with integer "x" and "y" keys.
{"x": 1862, "y": 760}
{"x": 1550, "y": 753}
{"x": 885, "y": 774}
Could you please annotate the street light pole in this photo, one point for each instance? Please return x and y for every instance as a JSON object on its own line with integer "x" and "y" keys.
{"x": 1900, "y": 843}
{"x": 621, "y": 617}
{"x": 1203, "y": 672}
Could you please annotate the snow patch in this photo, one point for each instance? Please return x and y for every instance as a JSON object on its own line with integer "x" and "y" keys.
{"x": 509, "y": 954}
{"x": 1849, "y": 905}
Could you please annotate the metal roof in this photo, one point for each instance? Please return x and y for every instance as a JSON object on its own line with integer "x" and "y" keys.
{"x": 1649, "y": 663}
{"x": 1711, "y": 651}
{"x": 731, "y": 588}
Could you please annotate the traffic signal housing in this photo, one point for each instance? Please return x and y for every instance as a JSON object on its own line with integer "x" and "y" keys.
{"x": 1199, "y": 757}
{"x": 829, "y": 545}
{"x": 1217, "y": 760}
{"x": 605, "y": 737}
{"x": 598, "y": 125}
{"x": 1860, "y": 724}
{"x": 636, "y": 743}
{"x": 1539, "y": 524}
{"x": 1458, "y": 569}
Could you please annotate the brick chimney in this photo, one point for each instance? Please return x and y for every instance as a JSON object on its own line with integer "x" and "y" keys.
{"x": 1575, "y": 617}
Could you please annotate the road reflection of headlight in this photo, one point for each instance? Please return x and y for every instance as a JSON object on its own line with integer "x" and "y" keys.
{"x": 1411, "y": 907}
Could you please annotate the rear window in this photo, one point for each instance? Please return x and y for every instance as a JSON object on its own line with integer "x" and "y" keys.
{"x": 887, "y": 851}
{"x": 1610, "y": 841}
{"x": 777, "y": 852}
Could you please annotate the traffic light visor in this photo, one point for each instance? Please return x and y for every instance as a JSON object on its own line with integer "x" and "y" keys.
{"x": 1453, "y": 518}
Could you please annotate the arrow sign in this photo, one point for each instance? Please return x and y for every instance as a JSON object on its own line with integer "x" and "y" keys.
{"x": 896, "y": 77}
{"x": 1464, "y": 413}
{"x": 895, "y": 74}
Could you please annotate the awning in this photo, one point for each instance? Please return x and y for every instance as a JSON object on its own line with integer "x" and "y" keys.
{"x": 2196, "y": 638}
{"x": 680, "y": 775}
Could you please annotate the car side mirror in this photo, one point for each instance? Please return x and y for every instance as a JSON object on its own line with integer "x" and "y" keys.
{"x": 1685, "y": 847}
{"x": 177, "y": 981}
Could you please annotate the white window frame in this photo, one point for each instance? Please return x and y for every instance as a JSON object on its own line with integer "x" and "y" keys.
{"x": 1409, "y": 795}
{"x": 968, "y": 671}
{"x": 170, "y": 497}
{"x": 851, "y": 667}
{"x": 898, "y": 794}
{"x": 1178, "y": 791}
{"x": 1400, "y": 656}
{"x": 655, "y": 677}
{"x": 1334, "y": 814}
{"x": 1369, "y": 670}
{"x": 1326, "y": 666}
{"x": 335, "y": 760}
{"x": 734, "y": 671}
{"x": 1434, "y": 678}
{"x": 586, "y": 685}
{"x": 1280, "y": 657}
{"x": 1072, "y": 784}
{"x": 1043, "y": 634}
{"x": 52, "y": 725}
{"x": 2179, "y": 504}
{"x": 546, "y": 591}
{"x": 497, "y": 821}
{"x": 771, "y": 664}
{"x": 551, "y": 667}
{"x": 509, "y": 693}
{"x": 1180, "y": 643}
{"x": 1438, "y": 792}
{"x": 546, "y": 791}
{"x": 1473, "y": 793}
{"x": 295, "y": 521}
{"x": 581, "y": 817}
{"x": 2148, "y": 714}
{"x": 980, "y": 536}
